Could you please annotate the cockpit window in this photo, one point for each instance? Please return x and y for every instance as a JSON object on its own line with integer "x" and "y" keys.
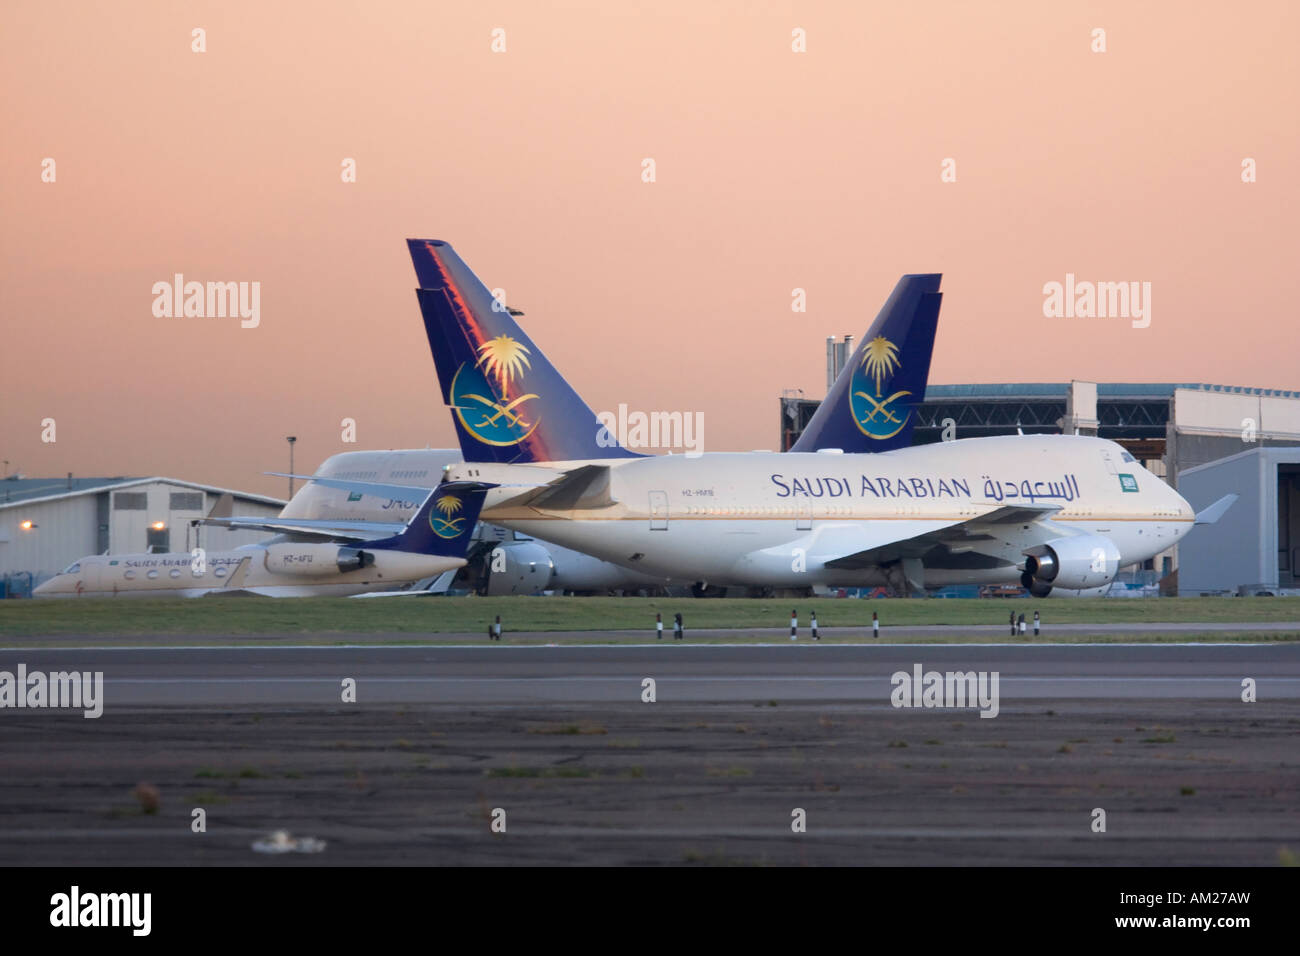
{"x": 1127, "y": 457}
{"x": 72, "y": 568}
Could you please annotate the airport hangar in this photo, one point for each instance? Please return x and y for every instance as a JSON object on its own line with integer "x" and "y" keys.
{"x": 1205, "y": 440}
{"x": 48, "y": 523}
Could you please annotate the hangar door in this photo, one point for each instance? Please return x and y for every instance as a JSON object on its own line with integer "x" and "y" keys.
{"x": 658, "y": 511}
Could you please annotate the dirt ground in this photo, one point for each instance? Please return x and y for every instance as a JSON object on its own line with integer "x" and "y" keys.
{"x": 670, "y": 784}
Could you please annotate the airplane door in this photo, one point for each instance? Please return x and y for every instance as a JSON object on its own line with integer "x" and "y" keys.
{"x": 802, "y": 516}
{"x": 91, "y": 575}
{"x": 658, "y": 511}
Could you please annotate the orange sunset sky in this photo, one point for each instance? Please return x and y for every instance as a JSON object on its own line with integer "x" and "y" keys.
{"x": 775, "y": 170}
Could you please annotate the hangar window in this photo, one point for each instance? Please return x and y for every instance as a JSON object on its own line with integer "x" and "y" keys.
{"x": 186, "y": 501}
{"x": 130, "y": 501}
{"x": 72, "y": 568}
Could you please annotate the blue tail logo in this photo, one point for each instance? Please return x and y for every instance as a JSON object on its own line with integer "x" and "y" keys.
{"x": 489, "y": 413}
{"x": 508, "y": 403}
{"x": 877, "y": 414}
{"x": 871, "y": 406}
{"x": 447, "y": 526}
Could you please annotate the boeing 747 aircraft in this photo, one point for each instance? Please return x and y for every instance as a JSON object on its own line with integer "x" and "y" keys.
{"x": 434, "y": 541}
{"x": 503, "y": 562}
{"x": 1045, "y": 511}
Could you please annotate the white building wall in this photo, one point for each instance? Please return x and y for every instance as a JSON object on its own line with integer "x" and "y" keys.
{"x": 65, "y": 529}
{"x": 1241, "y": 548}
{"x": 68, "y": 527}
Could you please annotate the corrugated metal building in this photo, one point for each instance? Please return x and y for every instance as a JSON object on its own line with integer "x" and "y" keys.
{"x": 47, "y": 523}
{"x": 1255, "y": 546}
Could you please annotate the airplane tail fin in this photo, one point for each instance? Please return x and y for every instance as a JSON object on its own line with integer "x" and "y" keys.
{"x": 872, "y": 404}
{"x": 508, "y": 403}
{"x": 444, "y": 523}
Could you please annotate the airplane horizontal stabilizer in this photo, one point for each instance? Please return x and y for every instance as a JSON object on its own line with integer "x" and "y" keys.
{"x": 1216, "y": 510}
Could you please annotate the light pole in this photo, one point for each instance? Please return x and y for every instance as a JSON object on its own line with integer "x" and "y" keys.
{"x": 291, "y": 439}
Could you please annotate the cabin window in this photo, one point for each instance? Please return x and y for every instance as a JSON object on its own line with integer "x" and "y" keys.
{"x": 152, "y": 574}
{"x": 174, "y": 573}
{"x": 129, "y": 575}
{"x": 220, "y": 572}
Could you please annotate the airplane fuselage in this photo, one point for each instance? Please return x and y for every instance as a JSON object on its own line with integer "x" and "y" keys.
{"x": 777, "y": 520}
{"x": 278, "y": 570}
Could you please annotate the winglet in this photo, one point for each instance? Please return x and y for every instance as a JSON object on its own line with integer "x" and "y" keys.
{"x": 1216, "y": 510}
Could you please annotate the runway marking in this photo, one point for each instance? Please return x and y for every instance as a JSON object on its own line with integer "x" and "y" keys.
{"x": 637, "y": 677}
{"x": 775, "y": 642}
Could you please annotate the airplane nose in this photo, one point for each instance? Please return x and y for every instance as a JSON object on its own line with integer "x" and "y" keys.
{"x": 44, "y": 589}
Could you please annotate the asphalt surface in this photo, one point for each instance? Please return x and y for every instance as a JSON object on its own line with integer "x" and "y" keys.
{"x": 508, "y": 675}
{"x": 739, "y": 740}
{"x": 1265, "y": 630}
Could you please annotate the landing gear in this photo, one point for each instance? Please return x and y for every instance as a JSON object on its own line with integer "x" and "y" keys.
{"x": 702, "y": 589}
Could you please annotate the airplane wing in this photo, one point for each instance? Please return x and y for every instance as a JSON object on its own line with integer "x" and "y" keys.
{"x": 403, "y": 492}
{"x": 582, "y": 488}
{"x": 342, "y": 528}
{"x": 960, "y": 536}
{"x": 380, "y": 488}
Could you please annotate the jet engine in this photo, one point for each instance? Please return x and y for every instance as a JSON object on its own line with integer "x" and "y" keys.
{"x": 519, "y": 567}
{"x": 1084, "y": 561}
{"x": 316, "y": 560}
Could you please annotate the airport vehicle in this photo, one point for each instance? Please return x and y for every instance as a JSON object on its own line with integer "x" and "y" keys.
{"x": 1048, "y": 511}
{"x": 434, "y": 541}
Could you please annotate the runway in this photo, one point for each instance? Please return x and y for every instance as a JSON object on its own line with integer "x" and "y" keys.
{"x": 514, "y": 675}
{"x": 940, "y": 633}
{"x": 738, "y": 741}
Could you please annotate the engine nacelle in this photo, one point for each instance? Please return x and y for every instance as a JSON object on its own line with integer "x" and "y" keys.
{"x": 519, "y": 567}
{"x": 315, "y": 560}
{"x": 1084, "y": 561}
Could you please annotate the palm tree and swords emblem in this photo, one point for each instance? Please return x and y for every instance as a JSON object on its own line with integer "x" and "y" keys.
{"x": 490, "y": 414}
{"x": 446, "y": 526}
{"x": 873, "y": 414}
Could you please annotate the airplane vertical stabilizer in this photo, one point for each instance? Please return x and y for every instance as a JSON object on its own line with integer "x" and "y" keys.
{"x": 508, "y": 403}
{"x": 872, "y": 405}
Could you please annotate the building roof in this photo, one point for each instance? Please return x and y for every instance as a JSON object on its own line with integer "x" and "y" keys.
{"x": 15, "y": 490}
{"x": 1111, "y": 390}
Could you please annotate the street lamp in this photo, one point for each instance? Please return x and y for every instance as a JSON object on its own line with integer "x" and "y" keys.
{"x": 291, "y": 439}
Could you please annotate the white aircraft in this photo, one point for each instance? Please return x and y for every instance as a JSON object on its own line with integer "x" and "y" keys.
{"x": 391, "y": 486}
{"x": 1063, "y": 511}
{"x": 503, "y": 562}
{"x": 433, "y": 542}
